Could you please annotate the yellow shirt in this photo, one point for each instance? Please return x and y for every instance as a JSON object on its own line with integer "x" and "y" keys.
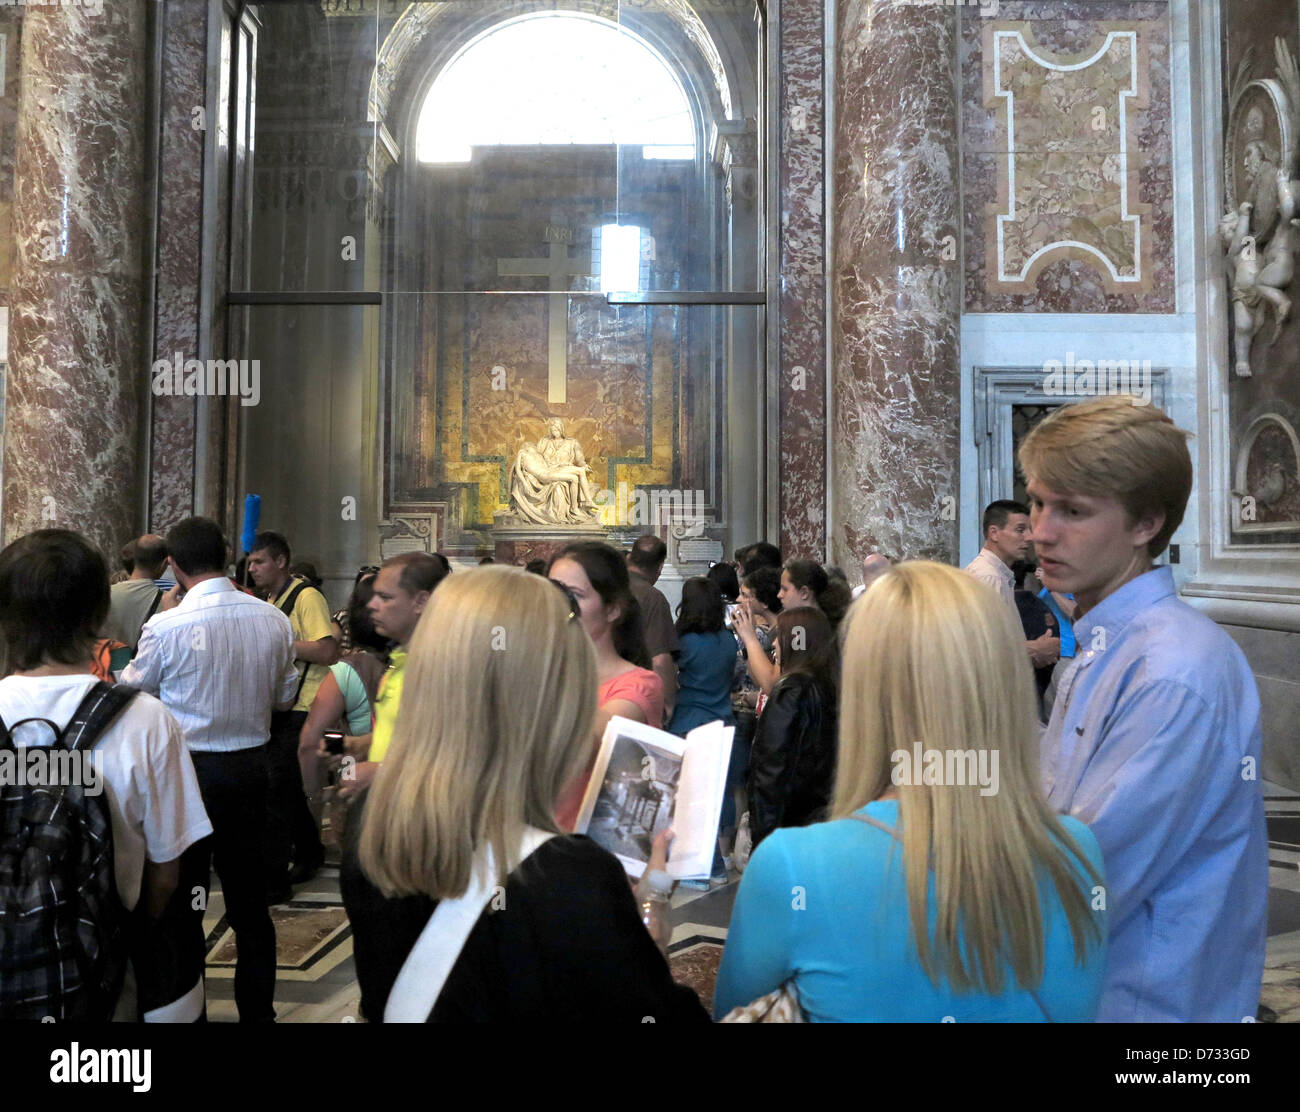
{"x": 311, "y": 621}
{"x": 387, "y": 703}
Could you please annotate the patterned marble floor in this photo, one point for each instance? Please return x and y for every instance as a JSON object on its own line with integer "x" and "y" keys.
{"x": 316, "y": 979}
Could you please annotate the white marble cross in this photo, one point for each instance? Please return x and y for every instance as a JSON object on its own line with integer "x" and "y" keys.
{"x": 559, "y": 267}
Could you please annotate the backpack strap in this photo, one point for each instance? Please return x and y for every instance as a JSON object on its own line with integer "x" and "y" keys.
{"x": 97, "y": 710}
{"x": 286, "y": 607}
{"x": 95, "y": 713}
{"x": 157, "y": 600}
{"x": 291, "y": 600}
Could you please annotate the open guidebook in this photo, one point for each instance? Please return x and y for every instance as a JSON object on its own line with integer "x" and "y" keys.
{"x": 646, "y": 779}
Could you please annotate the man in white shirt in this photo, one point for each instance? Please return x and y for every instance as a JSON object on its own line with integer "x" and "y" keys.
{"x": 221, "y": 661}
{"x": 1005, "y": 528}
{"x": 53, "y": 599}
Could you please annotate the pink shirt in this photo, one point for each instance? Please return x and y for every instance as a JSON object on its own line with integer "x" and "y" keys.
{"x": 637, "y": 685}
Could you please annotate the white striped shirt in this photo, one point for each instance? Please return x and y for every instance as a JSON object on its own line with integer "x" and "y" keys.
{"x": 221, "y": 661}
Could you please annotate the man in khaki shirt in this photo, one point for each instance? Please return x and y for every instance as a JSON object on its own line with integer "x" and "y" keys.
{"x": 294, "y": 850}
{"x": 135, "y": 600}
{"x": 644, "y": 563}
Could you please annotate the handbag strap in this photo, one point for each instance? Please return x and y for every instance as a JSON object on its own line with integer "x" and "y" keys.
{"x": 431, "y": 960}
{"x": 874, "y": 822}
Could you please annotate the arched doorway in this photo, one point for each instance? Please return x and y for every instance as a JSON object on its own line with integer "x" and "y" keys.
{"x": 557, "y": 208}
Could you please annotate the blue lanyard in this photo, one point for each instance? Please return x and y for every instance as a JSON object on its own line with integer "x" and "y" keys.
{"x": 1063, "y": 623}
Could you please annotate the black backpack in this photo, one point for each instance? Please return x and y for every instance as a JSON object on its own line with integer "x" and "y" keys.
{"x": 62, "y": 940}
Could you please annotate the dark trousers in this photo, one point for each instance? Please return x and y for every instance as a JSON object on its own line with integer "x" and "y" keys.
{"x": 292, "y": 835}
{"x": 234, "y": 788}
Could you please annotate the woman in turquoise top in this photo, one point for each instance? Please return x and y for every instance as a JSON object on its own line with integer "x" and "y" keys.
{"x": 938, "y": 822}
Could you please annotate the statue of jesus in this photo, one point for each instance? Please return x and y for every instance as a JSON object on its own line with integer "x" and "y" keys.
{"x": 549, "y": 483}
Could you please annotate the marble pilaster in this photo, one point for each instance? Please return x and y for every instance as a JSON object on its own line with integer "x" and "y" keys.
{"x": 896, "y": 283}
{"x": 71, "y": 448}
{"x": 802, "y": 390}
{"x": 180, "y": 243}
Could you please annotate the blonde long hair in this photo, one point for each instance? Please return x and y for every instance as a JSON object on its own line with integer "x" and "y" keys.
{"x": 496, "y": 719}
{"x": 933, "y": 657}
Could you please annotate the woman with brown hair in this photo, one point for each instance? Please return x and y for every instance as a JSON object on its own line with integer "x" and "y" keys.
{"x": 792, "y": 761}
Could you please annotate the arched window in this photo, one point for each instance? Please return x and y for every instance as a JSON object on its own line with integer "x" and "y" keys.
{"x": 555, "y": 78}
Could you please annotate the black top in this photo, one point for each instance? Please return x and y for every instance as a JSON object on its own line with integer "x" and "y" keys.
{"x": 1036, "y": 618}
{"x": 568, "y": 946}
{"x": 792, "y": 762}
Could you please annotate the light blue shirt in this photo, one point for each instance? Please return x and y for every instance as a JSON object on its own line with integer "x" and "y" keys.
{"x": 826, "y": 906}
{"x": 1154, "y": 742}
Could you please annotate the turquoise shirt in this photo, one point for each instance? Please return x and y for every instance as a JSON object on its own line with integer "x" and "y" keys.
{"x": 356, "y": 703}
{"x": 826, "y": 905}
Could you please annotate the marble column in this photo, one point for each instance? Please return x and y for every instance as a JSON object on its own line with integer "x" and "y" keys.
{"x": 180, "y": 243}
{"x": 896, "y": 380}
{"x": 76, "y": 368}
{"x": 802, "y": 390}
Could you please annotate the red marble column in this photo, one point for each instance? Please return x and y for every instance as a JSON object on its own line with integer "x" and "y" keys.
{"x": 802, "y": 393}
{"x": 895, "y": 294}
{"x": 76, "y": 368}
{"x": 180, "y": 241}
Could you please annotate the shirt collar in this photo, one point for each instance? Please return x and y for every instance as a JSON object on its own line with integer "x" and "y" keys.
{"x": 1115, "y": 611}
{"x": 216, "y": 586}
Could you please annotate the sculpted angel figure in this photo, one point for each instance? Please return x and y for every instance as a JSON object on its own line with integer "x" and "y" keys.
{"x": 549, "y": 482}
{"x": 1259, "y": 235}
{"x": 1259, "y": 279}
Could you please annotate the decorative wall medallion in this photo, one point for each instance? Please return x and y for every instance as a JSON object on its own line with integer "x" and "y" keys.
{"x": 1068, "y": 183}
{"x": 1266, "y": 494}
{"x": 1259, "y": 229}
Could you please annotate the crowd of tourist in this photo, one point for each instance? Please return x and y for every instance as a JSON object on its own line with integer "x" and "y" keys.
{"x": 953, "y": 796}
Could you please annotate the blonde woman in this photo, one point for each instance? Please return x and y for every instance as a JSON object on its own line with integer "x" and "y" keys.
{"x": 943, "y": 886}
{"x": 496, "y": 721}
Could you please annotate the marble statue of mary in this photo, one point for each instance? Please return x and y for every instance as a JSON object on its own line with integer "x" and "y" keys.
{"x": 549, "y": 482}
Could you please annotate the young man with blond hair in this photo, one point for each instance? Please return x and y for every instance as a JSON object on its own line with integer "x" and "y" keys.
{"x": 1154, "y": 739}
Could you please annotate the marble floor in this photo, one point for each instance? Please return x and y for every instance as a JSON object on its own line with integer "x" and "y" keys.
{"x": 316, "y": 980}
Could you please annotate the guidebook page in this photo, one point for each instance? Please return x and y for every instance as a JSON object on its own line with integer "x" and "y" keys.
{"x": 645, "y": 780}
